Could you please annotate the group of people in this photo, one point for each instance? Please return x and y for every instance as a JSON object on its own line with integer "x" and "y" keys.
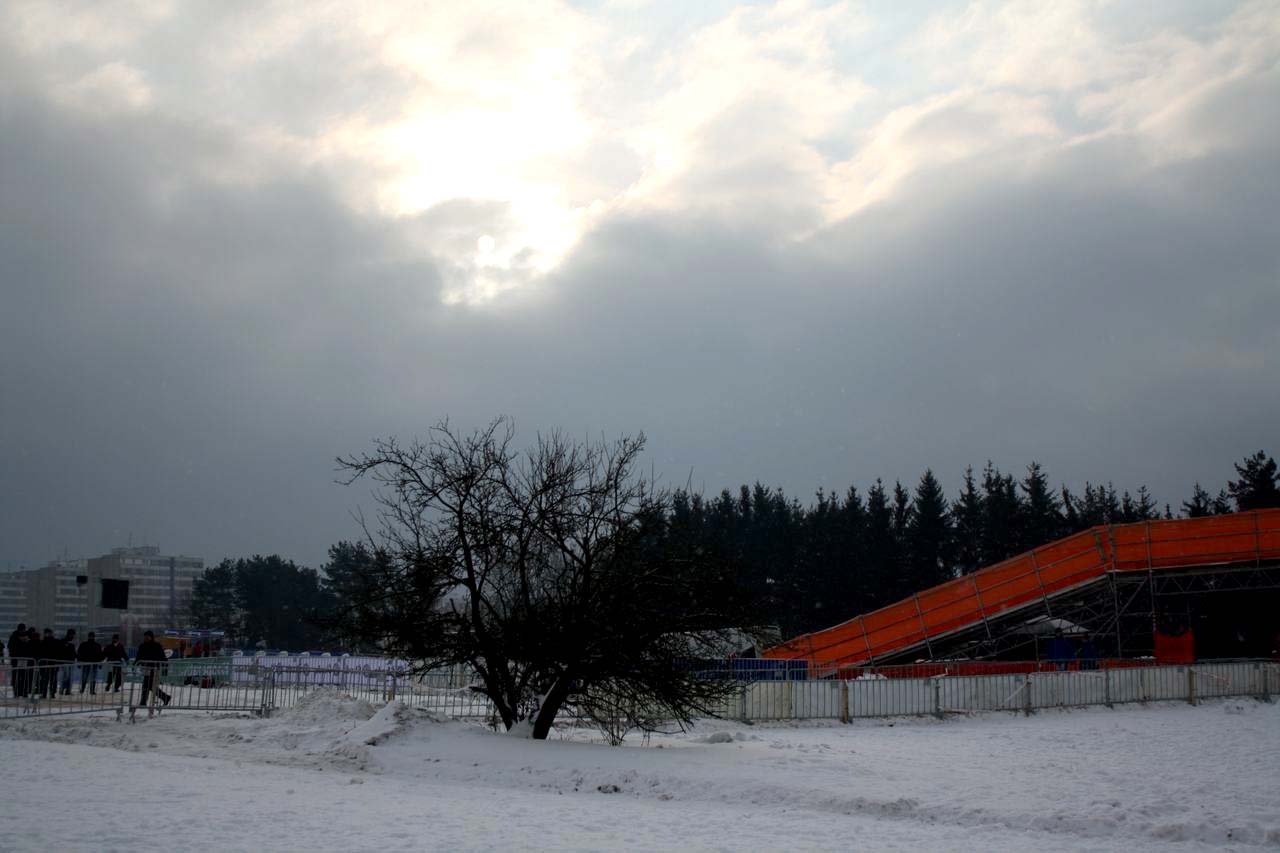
{"x": 44, "y": 666}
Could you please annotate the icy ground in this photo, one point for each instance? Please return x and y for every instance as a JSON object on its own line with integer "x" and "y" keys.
{"x": 335, "y": 773}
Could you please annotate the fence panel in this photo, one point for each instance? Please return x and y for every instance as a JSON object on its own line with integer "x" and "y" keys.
{"x": 54, "y": 689}
{"x": 791, "y": 700}
{"x": 879, "y": 696}
{"x": 968, "y": 693}
{"x": 198, "y": 684}
{"x": 447, "y": 693}
{"x": 1229, "y": 678}
{"x": 775, "y": 692}
{"x": 1068, "y": 689}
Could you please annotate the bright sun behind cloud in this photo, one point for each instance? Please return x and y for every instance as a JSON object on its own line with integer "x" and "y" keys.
{"x": 510, "y": 131}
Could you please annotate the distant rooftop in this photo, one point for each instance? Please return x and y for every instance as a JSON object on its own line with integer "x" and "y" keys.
{"x": 137, "y": 551}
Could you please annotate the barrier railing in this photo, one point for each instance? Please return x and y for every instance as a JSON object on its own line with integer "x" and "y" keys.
{"x": 446, "y": 692}
{"x": 815, "y": 692}
{"x": 200, "y": 684}
{"x": 43, "y": 689}
{"x": 915, "y": 691}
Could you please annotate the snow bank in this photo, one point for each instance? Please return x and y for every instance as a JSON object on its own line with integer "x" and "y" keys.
{"x": 327, "y": 704}
{"x": 378, "y": 727}
{"x": 341, "y": 774}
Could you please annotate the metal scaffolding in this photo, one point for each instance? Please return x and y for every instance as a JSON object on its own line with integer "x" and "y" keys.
{"x": 1121, "y": 612}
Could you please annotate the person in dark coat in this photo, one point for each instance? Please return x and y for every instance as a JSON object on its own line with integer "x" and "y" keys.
{"x": 19, "y": 635}
{"x": 17, "y": 652}
{"x": 151, "y": 657}
{"x": 68, "y": 658}
{"x": 30, "y": 651}
{"x": 1088, "y": 654}
{"x": 49, "y": 656}
{"x": 89, "y": 653}
{"x": 1060, "y": 650}
{"x": 115, "y": 656}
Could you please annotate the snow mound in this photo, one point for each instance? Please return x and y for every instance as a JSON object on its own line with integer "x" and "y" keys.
{"x": 327, "y": 705}
{"x": 378, "y": 727}
{"x": 522, "y": 729}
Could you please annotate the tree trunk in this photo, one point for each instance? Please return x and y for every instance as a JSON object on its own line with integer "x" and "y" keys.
{"x": 551, "y": 706}
{"x": 505, "y": 705}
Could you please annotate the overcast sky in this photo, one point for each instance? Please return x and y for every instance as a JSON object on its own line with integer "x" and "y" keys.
{"x": 808, "y": 244}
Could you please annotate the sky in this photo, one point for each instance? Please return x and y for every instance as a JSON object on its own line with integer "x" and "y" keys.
{"x": 802, "y": 243}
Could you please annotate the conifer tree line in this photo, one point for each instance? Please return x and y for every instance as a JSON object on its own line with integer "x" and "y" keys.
{"x": 801, "y": 567}
{"x": 809, "y": 567}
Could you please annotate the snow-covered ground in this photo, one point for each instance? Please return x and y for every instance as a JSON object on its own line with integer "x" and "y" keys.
{"x": 335, "y": 773}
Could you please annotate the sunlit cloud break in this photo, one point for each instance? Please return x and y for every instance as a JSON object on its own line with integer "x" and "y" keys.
{"x": 785, "y": 117}
{"x": 804, "y": 243}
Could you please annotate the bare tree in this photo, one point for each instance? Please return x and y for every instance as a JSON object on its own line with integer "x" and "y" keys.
{"x": 548, "y": 572}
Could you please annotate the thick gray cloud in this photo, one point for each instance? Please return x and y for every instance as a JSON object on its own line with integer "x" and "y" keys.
{"x": 183, "y": 349}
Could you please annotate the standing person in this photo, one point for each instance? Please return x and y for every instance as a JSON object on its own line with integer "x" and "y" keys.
{"x": 1060, "y": 650}
{"x": 16, "y": 636}
{"x": 115, "y": 655}
{"x": 1088, "y": 653}
{"x": 68, "y": 658}
{"x": 49, "y": 656}
{"x": 17, "y": 659}
{"x": 89, "y": 653}
{"x": 151, "y": 657}
{"x": 32, "y": 650}
{"x": 17, "y": 651}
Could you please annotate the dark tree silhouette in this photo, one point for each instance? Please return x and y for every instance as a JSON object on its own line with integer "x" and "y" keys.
{"x": 967, "y": 513}
{"x": 1200, "y": 505}
{"x": 1041, "y": 512}
{"x": 268, "y": 600}
{"x": 549, "y": 572}
{"x": 1257, "y": 486}
{"x": 929, "y": 535}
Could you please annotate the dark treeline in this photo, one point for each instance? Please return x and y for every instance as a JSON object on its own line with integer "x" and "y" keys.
{"x": 267, "y": 602}
{"x": 804, "y": 567}
{"x": 812, "y": 566}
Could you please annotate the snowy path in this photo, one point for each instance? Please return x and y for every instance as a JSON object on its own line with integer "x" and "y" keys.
{"x": 1129, "y": 779}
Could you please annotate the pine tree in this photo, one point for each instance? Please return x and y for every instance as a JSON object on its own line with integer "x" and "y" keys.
{"x": 902, "y": 512}
{"x": 901, "y": 583}
{"x": 1071, "y": 520}
{"x": 819, "y": 562}
{"x": 967, "y": 514}
{"x": 1090, "y": 509}
{"x": 1200, "y": 504}
{"x": 1144, "y": 506}
{"x": 1041, "y": 512}
{"x": 1222, "y": 503}
{"x": 1258, "y": 486}
{"x": 1127, "y": 513}
{"x": 1112, "y": 508}
{"x": 1001, "y": 516}
{"x": 929, "y": 535}
{"x": 880, "y": 548}
{"x": 851, "y": 541}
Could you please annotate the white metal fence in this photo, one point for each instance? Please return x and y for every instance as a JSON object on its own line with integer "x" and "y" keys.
{"x": 893, "y": 691}
{"x": 263, "y": 685}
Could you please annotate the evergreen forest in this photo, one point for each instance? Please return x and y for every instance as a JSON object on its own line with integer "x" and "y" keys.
{"x": 802, "y": 566}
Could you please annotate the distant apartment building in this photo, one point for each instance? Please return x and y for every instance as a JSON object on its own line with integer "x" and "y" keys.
{"x": 69, "y": 593}
{"x": 13, "y": 602}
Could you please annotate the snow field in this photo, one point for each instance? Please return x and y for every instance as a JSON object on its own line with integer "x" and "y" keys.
{"x": 339, "y": 773}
